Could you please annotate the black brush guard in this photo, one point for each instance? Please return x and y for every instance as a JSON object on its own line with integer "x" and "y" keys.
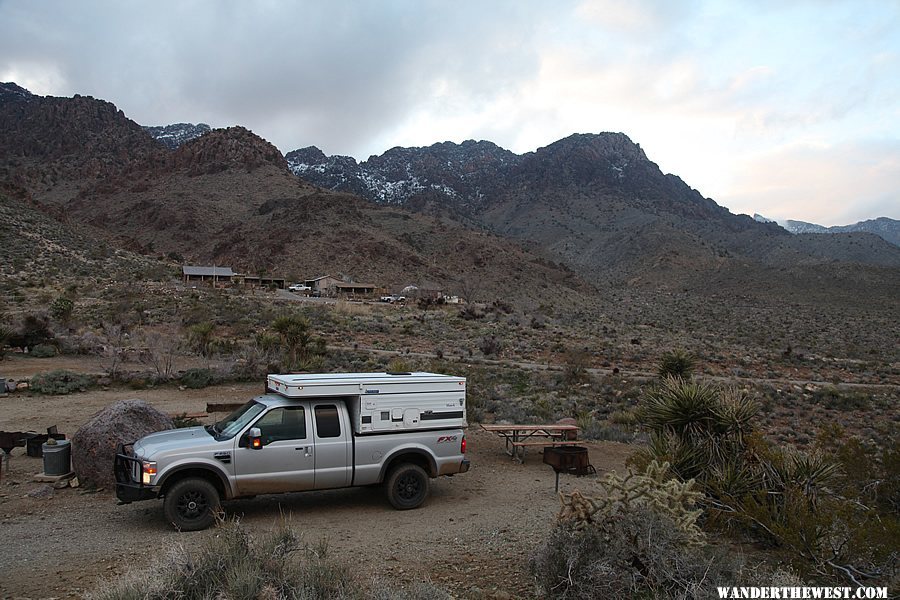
{"x": 127, "y": 489}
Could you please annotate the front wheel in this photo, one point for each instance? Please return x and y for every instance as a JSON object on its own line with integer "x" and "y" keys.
{"x": 192, "y": 504}
{"x": 407, "y": 486}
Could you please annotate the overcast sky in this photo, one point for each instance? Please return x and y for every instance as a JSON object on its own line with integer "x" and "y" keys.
{"x": 786, "y": 108}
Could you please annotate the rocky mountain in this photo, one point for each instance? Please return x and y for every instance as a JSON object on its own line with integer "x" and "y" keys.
{"x": 228, "y": 197}
{"x": 51, "y": 146}
{"x": 803, "y": 227}
{"x": 531, "y": 228}
{"x": 594, "y": 202}
{"x": 172, "y": 136}
{"x": 10, "y": 92}
{"x": 885, "y": 228}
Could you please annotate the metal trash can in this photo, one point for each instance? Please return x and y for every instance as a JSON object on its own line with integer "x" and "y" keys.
{"x": 57, "y": 458}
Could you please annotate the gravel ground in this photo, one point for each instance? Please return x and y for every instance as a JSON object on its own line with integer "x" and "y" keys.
{"x": 473, "y": 536}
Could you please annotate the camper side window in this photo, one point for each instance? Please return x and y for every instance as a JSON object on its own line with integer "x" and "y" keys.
{"x": 328, "y": 424}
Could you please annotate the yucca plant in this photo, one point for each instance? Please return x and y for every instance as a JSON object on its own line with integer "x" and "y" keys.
{"x": 676, "y": 363}
{"x": 301, "y": 347}
{"x": 810, "y": 474}
{"x": 700, "y": 432}
{"x": 680, "y": 407}
{"x": 200, "y": 336}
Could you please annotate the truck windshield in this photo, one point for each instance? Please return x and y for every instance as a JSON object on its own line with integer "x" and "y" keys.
{"x": 236, "y": 421}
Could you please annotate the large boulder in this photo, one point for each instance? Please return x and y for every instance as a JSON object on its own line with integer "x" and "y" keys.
{"x": 94, "y": 444}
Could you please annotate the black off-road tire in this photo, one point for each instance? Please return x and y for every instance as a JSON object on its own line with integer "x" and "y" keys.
{"x": 192, "y": 504}
{"x": 407, "y": 486}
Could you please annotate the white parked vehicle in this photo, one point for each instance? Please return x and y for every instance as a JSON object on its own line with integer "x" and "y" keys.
{"x": 299, "y": 287}
{"x": 307, "y": 432}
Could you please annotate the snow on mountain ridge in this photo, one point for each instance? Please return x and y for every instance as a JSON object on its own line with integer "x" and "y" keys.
{"x": 174, "y": 135}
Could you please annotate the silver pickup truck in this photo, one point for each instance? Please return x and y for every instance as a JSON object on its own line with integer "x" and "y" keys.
{"x": 308, "y": 432}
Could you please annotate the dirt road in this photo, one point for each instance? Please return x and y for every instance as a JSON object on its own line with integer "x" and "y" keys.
{"x": 473, "y": 536}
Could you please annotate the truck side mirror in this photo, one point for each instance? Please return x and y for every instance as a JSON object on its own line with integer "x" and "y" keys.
{"x": 255, "y": 438}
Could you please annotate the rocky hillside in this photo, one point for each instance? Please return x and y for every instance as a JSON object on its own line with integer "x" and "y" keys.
{"x": 592, "y": 201}
{"x": 172, "y": 136}
{"x": 529, "y": 228}
{"x": 228, "y": 197}
{"x": 51, "y": 146}
{"x": 37, "y": 250}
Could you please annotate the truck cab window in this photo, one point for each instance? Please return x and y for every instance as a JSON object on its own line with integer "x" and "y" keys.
{"x": 328, "y": 425}
{"x": 287, "y": 423}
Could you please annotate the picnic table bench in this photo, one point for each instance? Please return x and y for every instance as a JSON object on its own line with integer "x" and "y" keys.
{"x": 520, "y": 437}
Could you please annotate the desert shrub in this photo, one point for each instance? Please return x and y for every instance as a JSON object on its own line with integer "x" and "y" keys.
{"x": 491, "y": 346}
{"x": 502, "y": 306}
{"x": 637, "y": 538}
{"x": 44, "y": 351}
{"x": 676, "y": 363}
{"x": 201, "y": 337}
{"x": 61, "y": 382}
{"x": 471, "y": 312}
{"x": 623, "y": 417}
{"x": 34, "y": 330}
{"x": 398, "y": 365}
{"x": 159, "y": 352}
{"x": 61, "y": 309}
{"x": 196, "y": 379}
{"x": 576, "y": 366}
{"x": 832, "y": 397}
{"x": 183, "y": 420}
{"x": 234, "y": 564}
{"x": 5, "y": 334}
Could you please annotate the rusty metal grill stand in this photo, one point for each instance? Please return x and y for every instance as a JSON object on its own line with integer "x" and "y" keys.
{"x": 573, "y": 460}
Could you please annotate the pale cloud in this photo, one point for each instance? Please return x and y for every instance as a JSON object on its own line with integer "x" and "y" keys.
{"x": 826, "y": 184}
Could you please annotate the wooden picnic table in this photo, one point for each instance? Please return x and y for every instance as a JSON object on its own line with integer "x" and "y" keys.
{"x": 520, "y": 437}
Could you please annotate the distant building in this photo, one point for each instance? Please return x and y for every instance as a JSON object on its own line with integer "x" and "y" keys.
{"x": 355, "y": 289}
{"x": 263, "y": 281}
{"x": 211, "y": 275}
{"x": 324, "y": 285}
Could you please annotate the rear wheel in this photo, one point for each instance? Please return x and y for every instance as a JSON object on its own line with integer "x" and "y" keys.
{"x": 407, "y": 486}
{"x": 192, "y": 504}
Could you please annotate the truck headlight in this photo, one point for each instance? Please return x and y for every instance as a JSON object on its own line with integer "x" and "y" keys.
{"x": 148, "y": 472}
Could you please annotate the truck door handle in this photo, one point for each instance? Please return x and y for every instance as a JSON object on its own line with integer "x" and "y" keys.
{"x": 305, "y": 450}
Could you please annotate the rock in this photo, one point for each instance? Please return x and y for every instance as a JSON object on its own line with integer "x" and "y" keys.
{"x": 74, "y": 482}
{"x": 41, "y": 492}
{"x": 22, "y": 386}
{"x": 62, "y": 483}
{"x": 94, "y": 444}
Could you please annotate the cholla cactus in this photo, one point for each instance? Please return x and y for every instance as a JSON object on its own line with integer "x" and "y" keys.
{"x": 651, "y": 489}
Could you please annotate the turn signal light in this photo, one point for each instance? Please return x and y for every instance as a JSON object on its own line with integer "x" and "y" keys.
{"x": 148, "y": 471}
{"x": 256, "y": 442}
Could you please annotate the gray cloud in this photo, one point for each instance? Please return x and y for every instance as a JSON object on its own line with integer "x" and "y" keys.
{"x": 335, "y": 73}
